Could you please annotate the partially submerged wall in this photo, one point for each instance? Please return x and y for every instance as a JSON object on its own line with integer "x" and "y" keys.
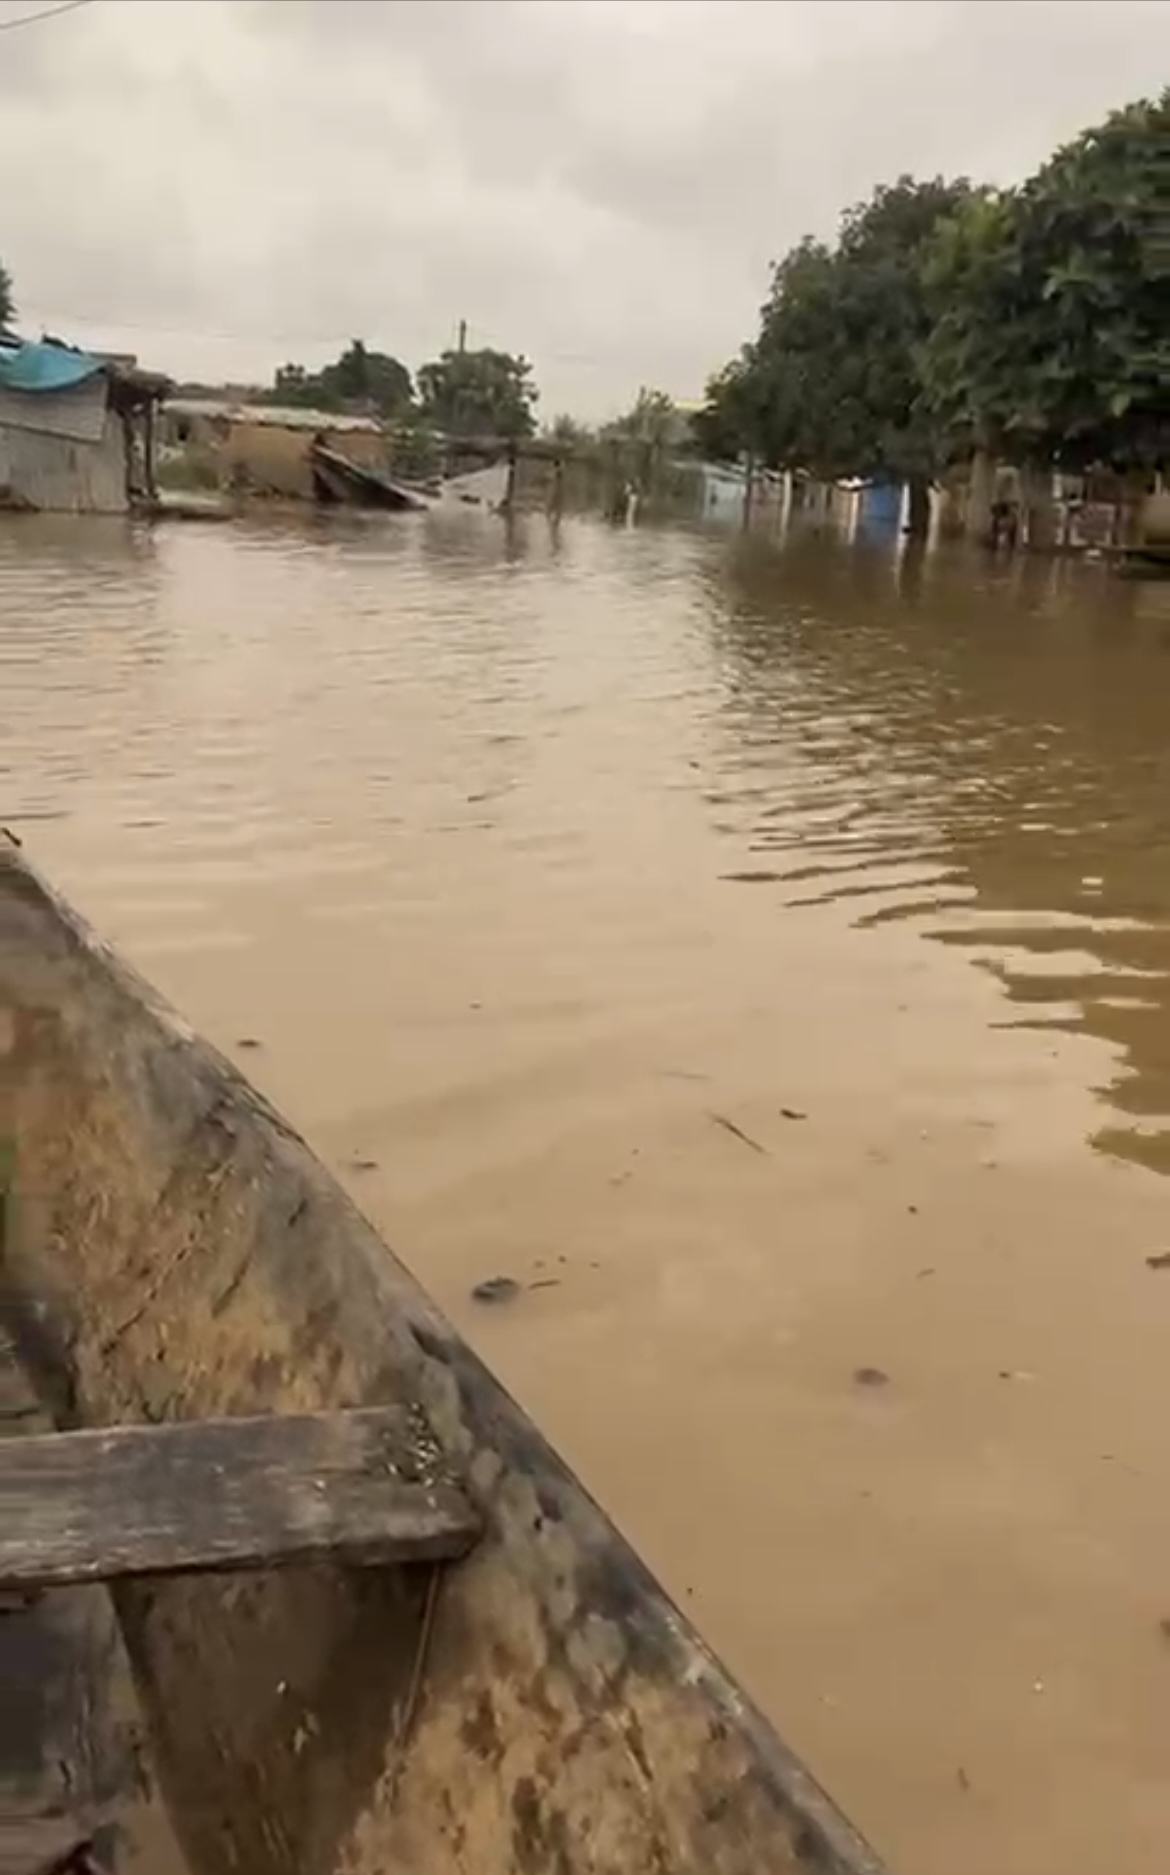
{"x": 264, "y": 457}
{"x": 62, "y": 452}
{"x": 276, "y": 460}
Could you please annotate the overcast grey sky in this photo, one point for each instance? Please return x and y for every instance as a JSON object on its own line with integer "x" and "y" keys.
{"x": 220, "y": 185}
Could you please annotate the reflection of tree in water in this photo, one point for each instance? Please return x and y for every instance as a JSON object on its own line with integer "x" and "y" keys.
{"x": 982, "y": 749}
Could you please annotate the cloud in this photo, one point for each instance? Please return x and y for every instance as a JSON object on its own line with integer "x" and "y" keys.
{"x": 224, "y": 184}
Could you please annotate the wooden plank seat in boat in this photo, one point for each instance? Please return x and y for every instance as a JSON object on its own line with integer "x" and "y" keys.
{"x": 189, "y": 1496}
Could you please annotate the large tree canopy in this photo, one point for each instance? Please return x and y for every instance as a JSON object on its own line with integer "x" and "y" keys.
{"x": 832, "y": 381}
{"x": 652, "y": 421}
{"x": 735, "y": 415}
{"x": 1052, "y": 340}
{"x": 569, "y": 431}
{"x": 359, "y": 378}
{"x": 479, "y": 394}
{"x": 475, "y": 394}
{"x": 945, "y": 317}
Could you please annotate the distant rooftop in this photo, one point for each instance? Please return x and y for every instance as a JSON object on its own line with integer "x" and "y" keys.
{"x": 273, "y": 416}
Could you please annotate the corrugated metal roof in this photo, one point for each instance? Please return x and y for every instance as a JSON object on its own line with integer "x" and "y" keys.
{"x": 274, "y": 416}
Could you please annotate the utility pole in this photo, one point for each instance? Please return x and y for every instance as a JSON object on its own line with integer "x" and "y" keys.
{"x": 462, "y": 345}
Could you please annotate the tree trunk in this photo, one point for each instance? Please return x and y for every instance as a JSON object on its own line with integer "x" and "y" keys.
{"x": 787, "y": 499}
{"x": 1153, "y": 524}
{"x": 1039, "y": 509}
{"x": 509, "y": 502}
{"x": 917, "y": 508}
{"x": 749, "y": 477}
{"x": 149, "y": 475}
{"x": 980, "y": 495}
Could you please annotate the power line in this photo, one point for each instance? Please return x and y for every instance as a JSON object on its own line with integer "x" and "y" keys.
{"x": 263, "y": 339}
{"x": 46, "y": 13}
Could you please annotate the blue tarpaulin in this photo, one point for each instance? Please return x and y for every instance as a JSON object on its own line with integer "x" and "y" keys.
{"x": 42, "y": 368}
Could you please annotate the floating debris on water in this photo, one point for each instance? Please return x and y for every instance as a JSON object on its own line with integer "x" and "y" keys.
{"x": 737, "y": 1132}
{"x": 496, "y": 1289}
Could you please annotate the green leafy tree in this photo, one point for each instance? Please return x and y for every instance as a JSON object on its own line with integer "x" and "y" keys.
{"x": 1052, "y": 337}
{"x": 841, "y": 342}
{"x": 832, "y": 383}
{"x": 652, "y": 420}
{"x": 479, "y": 394}
{"x": 359, "y": 379}
{"x": 964, "y": 279}
{"x": 796, "y": 394}
{"x": 566, "y": 430}
{"x": 415, "y": 450}
{"x": 642, "y": 443}
{"x": 373, "y": 378}
{"x": 292, "y": 385}
{"x": 7, "y": 304}
{"x": 732, "y": 419}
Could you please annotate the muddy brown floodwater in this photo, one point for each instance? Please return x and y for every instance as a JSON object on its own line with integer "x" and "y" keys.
{"x": 762, "y": 956}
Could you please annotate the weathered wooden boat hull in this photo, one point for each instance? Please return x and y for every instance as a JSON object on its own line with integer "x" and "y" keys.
{"x": 178, "y": 1252}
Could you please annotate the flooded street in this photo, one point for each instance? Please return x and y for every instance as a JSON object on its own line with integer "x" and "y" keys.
{"x": 763, "y": 953}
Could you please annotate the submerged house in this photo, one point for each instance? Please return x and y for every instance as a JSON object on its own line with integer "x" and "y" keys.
{"x": 731, "y": 492}
{"x": 77, "y": 430}
{"x": 866, "y": 508}
{"x": 266, "y": 448}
